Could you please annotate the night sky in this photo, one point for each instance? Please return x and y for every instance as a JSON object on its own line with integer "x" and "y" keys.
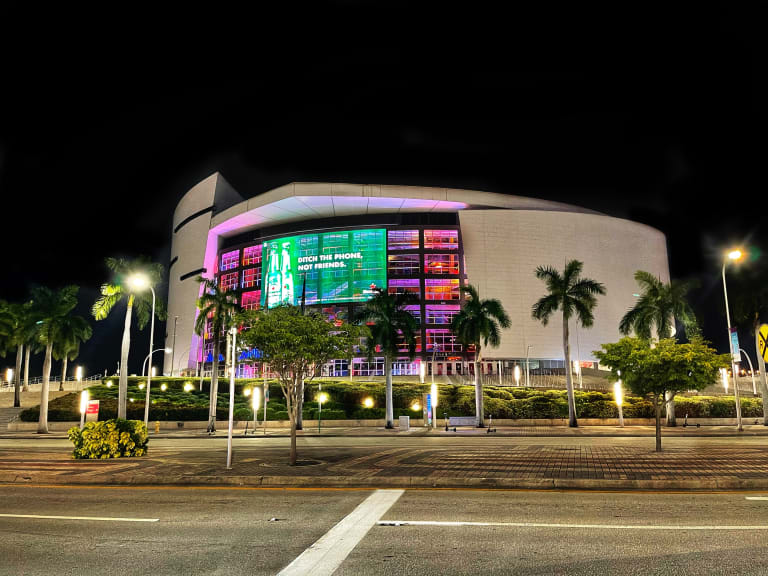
{"x": 108, "y": 118}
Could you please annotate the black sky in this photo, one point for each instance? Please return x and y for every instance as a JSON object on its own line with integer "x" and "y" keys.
{"x": 109, "y": 117}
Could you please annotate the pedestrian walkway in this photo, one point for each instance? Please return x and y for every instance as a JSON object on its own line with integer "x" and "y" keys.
{"x": 398, "y": 461}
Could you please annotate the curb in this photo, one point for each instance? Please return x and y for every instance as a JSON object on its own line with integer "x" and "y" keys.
{"x": 406, "y": 482}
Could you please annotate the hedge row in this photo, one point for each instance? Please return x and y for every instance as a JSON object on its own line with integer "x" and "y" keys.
{"x": 346, "y": 401}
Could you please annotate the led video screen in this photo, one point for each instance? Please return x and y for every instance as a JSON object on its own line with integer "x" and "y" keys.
{"x": 333, "y": 267}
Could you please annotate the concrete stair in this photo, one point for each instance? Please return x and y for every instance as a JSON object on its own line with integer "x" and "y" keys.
{"x": 8, "y": 415}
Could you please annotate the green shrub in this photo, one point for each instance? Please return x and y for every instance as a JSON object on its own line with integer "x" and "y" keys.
{"x": 116, "y": 438}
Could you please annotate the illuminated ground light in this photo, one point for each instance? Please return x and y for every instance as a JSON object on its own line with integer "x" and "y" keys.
{"x": 188, "y": 386}
{"x": 368, "y": 402}
{"x": 416, "y": 406}
{"x": 163, "y": 387}
{"x": 141, "y": 386}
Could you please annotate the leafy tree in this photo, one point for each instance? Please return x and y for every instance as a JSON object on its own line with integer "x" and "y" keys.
{"x": 112, "y": 293}
{"x": 390, "y": 326}
{"x": 479, "y": 321}
{"x": 665, "y": 369}
{"x": 220, "y": 307}
{"x": 49, "y": 309}
{"x": 749, "y": 295}
{"x": 574, "y": 296}
{"x": 8, "y": 322}
{"x": 73, "y": 330}
{"x": 660, "y": 305}
{"x": 295, "y": 346}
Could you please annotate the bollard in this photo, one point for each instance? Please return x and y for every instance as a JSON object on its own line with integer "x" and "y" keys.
{"x": 157, "y": 426}
{"x": 686, "y": 421}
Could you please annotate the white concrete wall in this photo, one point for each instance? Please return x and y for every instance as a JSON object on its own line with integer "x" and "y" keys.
{"x": 502, "y": 249}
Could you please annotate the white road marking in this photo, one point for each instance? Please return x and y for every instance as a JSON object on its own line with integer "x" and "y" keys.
{"x": 99, "y": 518}
{"x": 756, "y": 497}
{"x": 327, "y": 554}
{"x": 544, "y": 525}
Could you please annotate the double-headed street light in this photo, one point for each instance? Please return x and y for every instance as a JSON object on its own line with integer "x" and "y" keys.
{"x": 734, "y": 256}
{"x": 144, "y": 365}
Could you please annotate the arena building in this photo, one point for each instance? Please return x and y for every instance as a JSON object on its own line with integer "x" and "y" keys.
{"x": 335, "y": 243}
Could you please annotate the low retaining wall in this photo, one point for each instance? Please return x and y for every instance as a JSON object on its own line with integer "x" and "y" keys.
{"x": 309, "y": 425}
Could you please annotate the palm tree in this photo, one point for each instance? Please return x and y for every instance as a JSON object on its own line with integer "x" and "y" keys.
{"x": 389, "y": 324}
{"x": 7, "y": 325}
{"x": 49, "y": 308}
{"x": 574, "y": 296}
{"x": 73, "y": 330}
{"x": 112, "y": 294}
{"x": 659, "y": 307}
{"x": 21, "y": 332}
{"x": 479, "y": 320}
{"x": 220, "y": 307}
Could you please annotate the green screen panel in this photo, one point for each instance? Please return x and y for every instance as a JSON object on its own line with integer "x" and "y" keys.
{"x": 340, "y": 266}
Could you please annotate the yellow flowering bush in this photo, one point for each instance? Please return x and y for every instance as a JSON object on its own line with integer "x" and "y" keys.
{"x": 109, "y": 439}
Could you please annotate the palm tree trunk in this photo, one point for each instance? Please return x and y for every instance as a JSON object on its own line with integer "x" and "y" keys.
{"x": 27, "y": 353}
{"x": 390, "y": 410}
{"x": 42, "y": 424}
{"x": 213, "y": 393}
{"x": 479, "y": 408}
{"x": 670, "y": 406}
{"x": 657, "y": 399}
{"x": 761, "y": 367}
{"x": 122, "y": 389}
{"x": 572, "y": 422}
{"x": 17, "y": 380}
{"x": 63, "y": 373}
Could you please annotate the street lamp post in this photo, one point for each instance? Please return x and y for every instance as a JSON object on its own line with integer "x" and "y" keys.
{"x": 618, "y": 396}
{"x": 144, "y": 365}
{"x": 233, "y": 333}
{"x": 173, "y": 346}
{"x": 139, "y": 282}
{"x": 734, "y": 255}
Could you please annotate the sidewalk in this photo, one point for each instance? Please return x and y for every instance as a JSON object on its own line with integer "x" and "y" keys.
{"x": 391, "y": 459}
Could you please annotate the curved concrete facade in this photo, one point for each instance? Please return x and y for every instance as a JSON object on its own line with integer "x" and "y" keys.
{"x": 504, "y": 239}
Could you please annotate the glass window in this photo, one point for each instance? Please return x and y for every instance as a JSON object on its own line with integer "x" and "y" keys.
{"x": 444, "y": 340}
{"x": 252, "y": 278}
{"x": 441, "y": 313}
{"x": 362, "y": 367}
{"x": 404, "y": 367}
{"x": 403, "y": 264}
{"x": 402, "y": 346}
{"x": 228, "y": 281}
{"x": 250, "y": 300}
{"x": 404, "y": 286}
{"x": 441, "y": 263}
{"x": 441, "y": 239}
{"x": 230, "y": 260}
{"x": 415, "y": 311}
{"x": 252, "y": 255}
{"x": 441, "y": 289}
{"x": 403, "y": 239}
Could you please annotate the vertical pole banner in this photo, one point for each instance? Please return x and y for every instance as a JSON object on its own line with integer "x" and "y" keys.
{"x": 429, "y": 410}
{"x": 735, "y": 349}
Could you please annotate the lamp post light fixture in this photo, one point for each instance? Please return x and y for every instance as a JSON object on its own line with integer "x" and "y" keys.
{"x": 9, "y": 375}
{"x": 618, "y": 396}
{"x": 79, "y": 374}
{"x": 146, "y": 359}
{"x": 734, "y": 256}
{"x": 141, "y": 282}
{"x": 724, "y": 376}
{"x": 255, "y": 401}
{"x": 516, "y": 373}
{"x": 322, "y": 397}
{"x": 83, "y": 407}
{"x": 433, "y": 392}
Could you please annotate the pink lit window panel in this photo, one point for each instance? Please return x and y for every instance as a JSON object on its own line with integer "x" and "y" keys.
{"x": 250, "y": 300}
{"x": 441, "y": 239}
{"x": 252, "y": 278}
{"x": 402, "y": 346}
{"x": 252, "y": 255}
{"x": 441, "y": 264}
{"x": 441, "y": 313}
{"x": 444, "y": 340}
{"x": 228, "y": 281}
{"x": 441, "y": 289}
{"x": 230, "y": 260}
{"x": 415, "y": 311}
{"x": 403, "y": 239}
{"x": 403, "y": 264}
{"x": 403, "y": 286}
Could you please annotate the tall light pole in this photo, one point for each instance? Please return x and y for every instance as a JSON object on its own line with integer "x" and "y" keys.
{"x": 139, "y": 281}
{"x": 233, "y": 333}
{"x": 751, "y": 370}
{"x": 735, "y": 256}
{"x": 527, "y": 364}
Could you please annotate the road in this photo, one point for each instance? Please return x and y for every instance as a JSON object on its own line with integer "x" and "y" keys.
{"x": 233, "y": 531}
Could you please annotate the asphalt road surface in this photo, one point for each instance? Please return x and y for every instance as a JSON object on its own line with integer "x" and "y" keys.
{"x": 233, "y": 531}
